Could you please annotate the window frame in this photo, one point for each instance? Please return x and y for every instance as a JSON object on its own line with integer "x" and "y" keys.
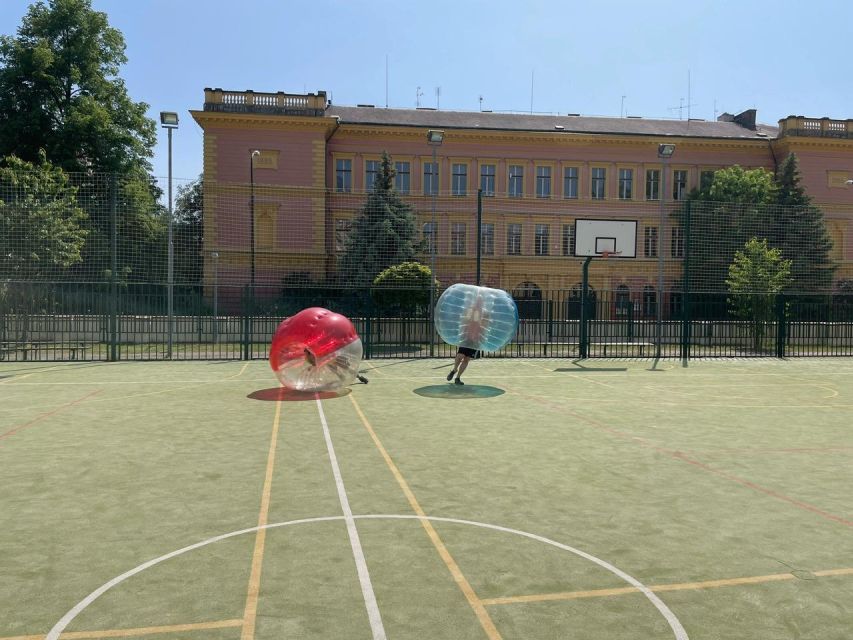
{"x": 458, "y": 239}
{"x": 542, "y": 242}
{"x": 595, "y": 181}
{"x": 510, "y": 245}
{"x": 623, "y": 181}
{"x": 513, "y": 180}
{"x": 571, "y": 180}
{"x": 463, "y": 178}
{"x": 656, "y": 183}
{"x": 544, "y": 183}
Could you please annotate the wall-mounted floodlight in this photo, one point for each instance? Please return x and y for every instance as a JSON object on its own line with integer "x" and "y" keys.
{"x": 169, "y": 118}
{"x": 435, "y": 136}
{"x": 666, "y": 150}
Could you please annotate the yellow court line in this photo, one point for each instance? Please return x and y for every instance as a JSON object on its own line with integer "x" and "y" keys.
{"x": 465, "y": 586}
{"x": 683, "y": 586}
{"x": 251, "y": 611}
{"x": 139, "y": 631}
{"x": 245, "y": 366}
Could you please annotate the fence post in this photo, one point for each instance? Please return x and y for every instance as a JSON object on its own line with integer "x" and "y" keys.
{"x": 685, "y": 306}
{"x": 247, "y": 315}
{"x": 781, "y": 328}
{"x": 368, "y": 328}
{"x": 113, "y": 270}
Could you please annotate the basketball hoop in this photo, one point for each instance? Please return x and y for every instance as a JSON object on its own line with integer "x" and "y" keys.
{"x": 607, "y": 254}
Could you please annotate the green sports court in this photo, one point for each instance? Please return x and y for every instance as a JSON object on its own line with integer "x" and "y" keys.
{"x": 605, "y": 499}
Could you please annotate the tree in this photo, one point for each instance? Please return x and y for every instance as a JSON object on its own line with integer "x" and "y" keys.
{"x": 803, "y": 236}
{"x": 41, "y": 224}
{"x": 757, "y": 275}
{"x": 60, "y": 91}
{"x": 404, "y": 287}
{"x": 188, "y": 232}
{"x": 732, "y": 208}
{"x": 383, "y": 233}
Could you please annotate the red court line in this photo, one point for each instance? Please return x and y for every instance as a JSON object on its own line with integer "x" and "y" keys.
{"x": 41, "y": 417}
{"x": 678, "y": 455}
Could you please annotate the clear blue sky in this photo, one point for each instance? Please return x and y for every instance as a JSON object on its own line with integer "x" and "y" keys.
{"x": 779, "y": 57}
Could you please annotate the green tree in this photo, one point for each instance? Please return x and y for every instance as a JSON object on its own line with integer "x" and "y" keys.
{"x": 732, "y": 208}
{"x": 757, "y": 275}
{"x": 60, "y": 91}
{"x": 404, "y": 288}
{"x": 188, "y": 232}
{"x": 803, "y": 236}
{"x": 383, "y": 233}
{"x": 41, "y": 224}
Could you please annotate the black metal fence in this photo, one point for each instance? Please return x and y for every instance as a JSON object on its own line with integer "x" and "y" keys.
{"x": 91, "y": 322}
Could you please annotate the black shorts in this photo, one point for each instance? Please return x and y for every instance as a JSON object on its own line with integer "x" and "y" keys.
{"x": 467, "y": 351}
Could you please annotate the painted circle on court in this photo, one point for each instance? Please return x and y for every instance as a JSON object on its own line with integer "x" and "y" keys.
{"x": 459, "y": 392}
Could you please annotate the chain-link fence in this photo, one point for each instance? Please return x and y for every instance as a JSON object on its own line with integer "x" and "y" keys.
{"x": 86, "y": 271}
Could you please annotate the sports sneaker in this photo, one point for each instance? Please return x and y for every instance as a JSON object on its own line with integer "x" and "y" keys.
{"x": 450, "y": 375}
{"x": 458, "y": 381}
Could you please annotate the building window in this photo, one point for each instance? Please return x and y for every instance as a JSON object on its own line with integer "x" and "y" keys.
{"x": 513, "y": 239}
{"x": 543, "y": 239}
{"x": 457, "y": 239}
{"x": 428, "y": 237}
{"x": 460, "y": 179}
{"x": 487, "y": 239}
{"x": 342, "y": 231}
{"x": 430, "y": 178}
{"x": 599, "y": 183}
{"x": 402, "y": 177}
{"x": 626, "y": 184}
{"x": 676, "y": 303}
{"x": 706, "y": 178}
{"x": 649, "y": 301}
{"x": 543, "y": 182}
{"x": 679, "y": 184}
{"x": 371, "y": 170}
{"x": 570, "y": 182}
{"x": 516, "y": 181}
{"x": 487, "y": 179}
{"x": 343, "y": 175}
{"x": 568, "y": 239}
{"x": 677, "y": 246}
{"x": 653, "y": 184}
{"x": 623, "y": 300}
{"x": 651, "y": 242}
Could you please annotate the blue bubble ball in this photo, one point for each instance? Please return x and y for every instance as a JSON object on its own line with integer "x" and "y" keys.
{"x": 476, "y": 317}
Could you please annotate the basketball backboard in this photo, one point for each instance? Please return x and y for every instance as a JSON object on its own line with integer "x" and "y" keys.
{"x": 617, "y": 238}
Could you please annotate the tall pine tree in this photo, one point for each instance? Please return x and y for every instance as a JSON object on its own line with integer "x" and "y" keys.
{"x": 802, "y": 233}
{"x": 383, "y": 233}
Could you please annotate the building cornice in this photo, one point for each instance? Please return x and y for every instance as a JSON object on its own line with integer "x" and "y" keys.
{"x": 219, "y": 119}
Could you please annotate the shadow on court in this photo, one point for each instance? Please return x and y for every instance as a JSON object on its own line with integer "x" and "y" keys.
{"x": 579, "y": 368}
{"x": 280, "y": 394}
{"x": 459, "y": 392}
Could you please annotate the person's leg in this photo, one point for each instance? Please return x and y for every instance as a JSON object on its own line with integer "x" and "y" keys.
{"x": 462, "y": 366}
{"x": 456, "y": 364}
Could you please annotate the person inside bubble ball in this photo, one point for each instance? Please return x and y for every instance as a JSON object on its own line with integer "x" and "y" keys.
{"x": 463, "y": 355}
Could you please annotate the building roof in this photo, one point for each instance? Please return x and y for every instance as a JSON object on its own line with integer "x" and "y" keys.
{"x": 489, "y": 121}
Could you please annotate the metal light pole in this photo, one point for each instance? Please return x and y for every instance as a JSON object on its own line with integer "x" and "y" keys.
{"x": 665, "y": 152}
{"x": 255, "y": 153}
{"x": 434, "y": 138}
{"x": 169, "y": 121}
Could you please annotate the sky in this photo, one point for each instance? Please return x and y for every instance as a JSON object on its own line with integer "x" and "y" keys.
{"x": 655, "y": 59}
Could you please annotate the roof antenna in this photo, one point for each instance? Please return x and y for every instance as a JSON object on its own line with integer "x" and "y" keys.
{"x": 532, "y": 71}
{"x": 622, "y": 108}
{"x": 481, "y": 102}
{"x": 418, "y": 94}
{"x": 438, "y": 97}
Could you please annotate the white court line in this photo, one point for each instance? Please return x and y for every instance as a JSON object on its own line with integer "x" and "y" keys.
{"x": 675, "y": 625}
{"x": 360, "y": 563}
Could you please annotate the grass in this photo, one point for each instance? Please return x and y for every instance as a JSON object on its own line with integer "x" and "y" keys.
{"x": 722, "y": 489}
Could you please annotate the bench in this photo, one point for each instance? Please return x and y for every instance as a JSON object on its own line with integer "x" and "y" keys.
{"x": 81, "y": 348}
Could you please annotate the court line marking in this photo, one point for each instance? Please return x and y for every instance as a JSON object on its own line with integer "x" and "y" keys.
{"x": 683, "y": 586}
{"x": 47, "y": 414}
{"x": 682, "y": 456}
{"x": 59, "y": 627}
{"x": 138, "y": 631}
{"x": 373, "y": 614}
{"x": 250, "y": 610}
{"x": 473, "y": 599}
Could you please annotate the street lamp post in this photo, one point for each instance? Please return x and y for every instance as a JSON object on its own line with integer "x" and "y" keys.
{"x": 169, "y": 121}
{"x": 434, "y": 138}
{"x": 255, "y": 153}
{"x": 665, "y": 152}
